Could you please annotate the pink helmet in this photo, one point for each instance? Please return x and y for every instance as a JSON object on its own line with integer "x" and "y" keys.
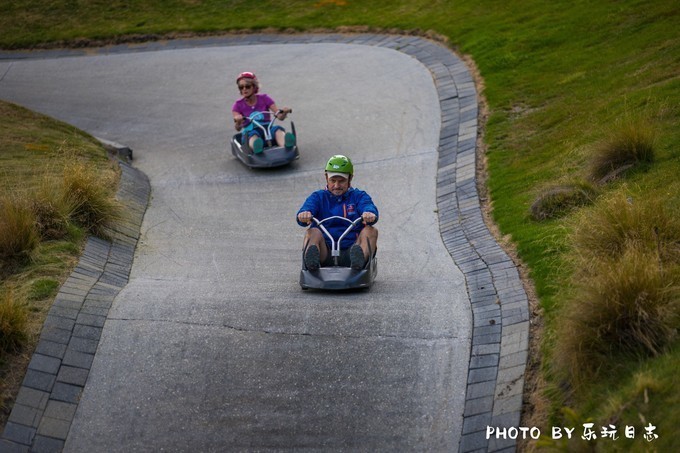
{"x": 251, "y": 76}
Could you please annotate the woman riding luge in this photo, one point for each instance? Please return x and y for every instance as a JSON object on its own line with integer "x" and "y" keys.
{"x": 251, "y": 101}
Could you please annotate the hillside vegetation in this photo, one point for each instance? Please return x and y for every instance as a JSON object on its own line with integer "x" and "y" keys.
{"x": 583, "y": 158}
{"x": 56, "y": 186}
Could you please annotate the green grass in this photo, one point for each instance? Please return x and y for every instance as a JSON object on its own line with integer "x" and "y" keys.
{"x": 43, "y": 288}
{"x": 645, "y": 392}
{"x": 559, "y": 77}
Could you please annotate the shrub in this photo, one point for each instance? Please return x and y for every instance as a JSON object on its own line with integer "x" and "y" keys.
{"x": 627, "y": 306}
{"x": 52, "y": 209}
{"x": 13, "y": 319}
{"x": 94, "y": 206}
{"x": 559, "y": 200}
{"x": 626, "y": 297}
{"x": 619, "y": 222}
{"x": 18, "y": 232}
{"x": 629, "y": 143}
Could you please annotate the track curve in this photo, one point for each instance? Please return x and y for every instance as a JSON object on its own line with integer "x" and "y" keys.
{"x": 210, "y": 344}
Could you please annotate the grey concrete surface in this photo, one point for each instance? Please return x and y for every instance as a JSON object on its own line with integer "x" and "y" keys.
{"x": 212, "y": 345}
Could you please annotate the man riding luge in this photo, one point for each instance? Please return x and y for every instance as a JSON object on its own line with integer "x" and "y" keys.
{"x": 339, "y": 199}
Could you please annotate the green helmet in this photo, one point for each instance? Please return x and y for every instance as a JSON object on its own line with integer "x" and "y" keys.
{"x": 340, "y": 164}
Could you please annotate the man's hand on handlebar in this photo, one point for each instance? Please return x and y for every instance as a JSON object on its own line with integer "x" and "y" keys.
{"x": 368, "y": 218}
{"x": 305, "y": 217}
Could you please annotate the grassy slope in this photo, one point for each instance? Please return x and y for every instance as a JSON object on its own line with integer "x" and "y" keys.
{"x": 557, "y": 76}
{"x": 34, "y": 147}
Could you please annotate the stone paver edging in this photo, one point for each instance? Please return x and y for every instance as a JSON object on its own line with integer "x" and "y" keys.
{"x": 500, "y": 342}
{"x": 46, "y": 404}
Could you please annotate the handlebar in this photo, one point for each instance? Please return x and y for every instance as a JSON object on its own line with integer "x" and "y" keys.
{"x": 259, "y": 119}
{"x": 335, "y": 245}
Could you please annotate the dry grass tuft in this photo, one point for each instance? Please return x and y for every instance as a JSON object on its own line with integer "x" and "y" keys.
{"x": 18, "y": 233}
{"x": 626, "y": 299}
{"x": 620, "y": 222}
{"x": 629, "y": 306}
{"x": 13, "y": 319}
{"x": 93, "y": 203}
{"x": 53, "y": 209}
{"x": 630, "y": 142}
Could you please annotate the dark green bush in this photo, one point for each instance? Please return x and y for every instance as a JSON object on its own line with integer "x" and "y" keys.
{"x": 560, "y": 200}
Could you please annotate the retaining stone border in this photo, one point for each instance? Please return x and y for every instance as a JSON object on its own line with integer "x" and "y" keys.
{"x": 500, "y": 341}
{"x": 46, "y": 404}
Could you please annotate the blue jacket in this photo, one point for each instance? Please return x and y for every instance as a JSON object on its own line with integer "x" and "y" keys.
{"x": 351, "y": 205}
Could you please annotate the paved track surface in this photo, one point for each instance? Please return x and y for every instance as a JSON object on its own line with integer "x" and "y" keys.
{"x": 212, "y": 343}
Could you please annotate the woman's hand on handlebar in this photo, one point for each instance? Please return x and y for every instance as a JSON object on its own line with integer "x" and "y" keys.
{"x": 282, "y": 113}
{"x": 238, "y": 122}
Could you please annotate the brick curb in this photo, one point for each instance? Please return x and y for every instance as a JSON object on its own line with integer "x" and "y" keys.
{"x": 498, "y": 301}
{"x": 48, "y": 398}
{"x": 500, "y": 308}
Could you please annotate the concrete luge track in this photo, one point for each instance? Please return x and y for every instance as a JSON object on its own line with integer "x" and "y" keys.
{"x": 496, "y": 342}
